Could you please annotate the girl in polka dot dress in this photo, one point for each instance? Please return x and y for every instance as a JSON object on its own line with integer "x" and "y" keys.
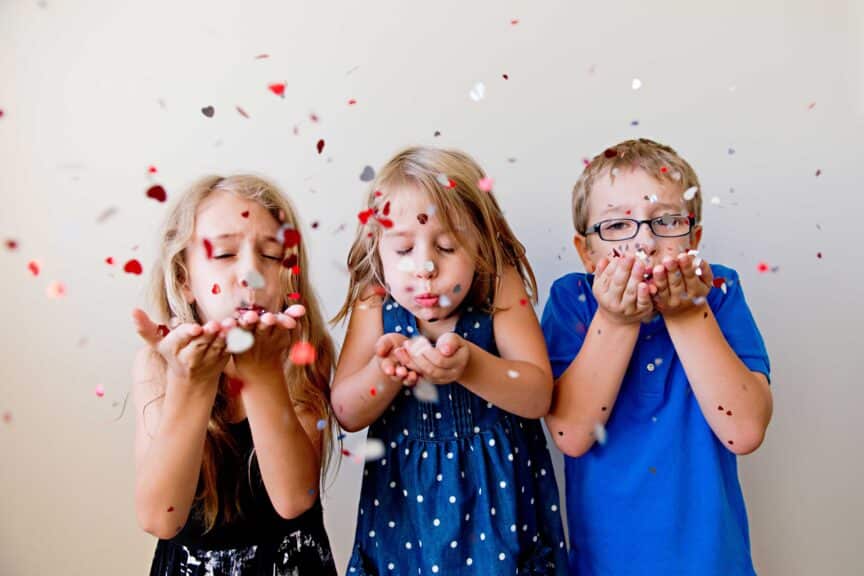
{"x": 445, "y": 362}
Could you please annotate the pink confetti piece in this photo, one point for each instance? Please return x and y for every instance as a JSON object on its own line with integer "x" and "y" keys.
{"x": 133, "y": 267}
{"x": 262, "y": 56}
{"x": 34, "y": 267}
{"x": 109, "y": 260}
{"x": 514, "y": 22}
{"x": 352, "y": 102}
{"x": 55, "y": 290}
{"x": 302, "y": 353}
{"x": 7, "y": 417}
{"x": 151, "y": 169}
{"x": 277, "y": 88}
{"x": 486, "y": 184}
{"x": 100, "y": 391}
{"x": 313, "y": 118}
{"x": 763, "y": 267}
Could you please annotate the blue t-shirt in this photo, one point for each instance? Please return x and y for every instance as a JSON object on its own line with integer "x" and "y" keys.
{"x": 662, "y": 495}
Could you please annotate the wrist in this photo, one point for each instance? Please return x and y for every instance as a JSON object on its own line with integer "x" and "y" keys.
{"x": 614, "y": 320}
{"x": 684, "y": 315}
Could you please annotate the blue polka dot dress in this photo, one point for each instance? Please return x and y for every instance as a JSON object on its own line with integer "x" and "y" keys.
{"x": 463, "y": 487}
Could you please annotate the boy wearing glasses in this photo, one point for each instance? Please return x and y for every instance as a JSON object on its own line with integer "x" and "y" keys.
{"x": 661, "y": 377}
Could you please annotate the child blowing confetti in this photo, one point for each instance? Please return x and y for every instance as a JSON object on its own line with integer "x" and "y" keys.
{"x": 667, "y": 374}
{"x": 445, "y": 362}
{"x": 228, "y": 448}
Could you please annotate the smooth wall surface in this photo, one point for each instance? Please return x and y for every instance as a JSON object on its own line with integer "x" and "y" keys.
{"x": 766, "y": 100}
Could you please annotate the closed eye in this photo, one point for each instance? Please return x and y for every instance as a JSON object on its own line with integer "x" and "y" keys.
{"x": 446, "y": 250}
{"x": 404, "y": 252}
{"x": 274, "y": 258}
{"x": 223, "y": 256}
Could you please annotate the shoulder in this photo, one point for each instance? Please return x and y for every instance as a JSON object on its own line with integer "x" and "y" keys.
{"x": 570, "y": 292}
{"x": 727, "y": 285}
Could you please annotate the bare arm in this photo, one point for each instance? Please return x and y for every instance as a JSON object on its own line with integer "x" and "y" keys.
{"x": 361, "y": 389}
{"x": 736, "y": 402}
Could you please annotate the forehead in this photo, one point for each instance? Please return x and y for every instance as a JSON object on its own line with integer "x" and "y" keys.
{"x": 222, "y": 211}
{"x": 630, "y": 189}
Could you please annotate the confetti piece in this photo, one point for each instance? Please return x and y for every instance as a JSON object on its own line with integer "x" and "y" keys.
{"x": 170, "y": 509}
{"x": 55, "y": 290}
{"x": 636, "y": 84}
{"x": 600, "y": 433}
{"x": 109, "y": 260}
{"x": 215, "y": 289}
{"x": 352, "y": 102}
{"x": 485, "y": 184}
{"x": 523, "y": 301}
{"x": 277, "y": 88}
{"x": 302, "y": 353}
{"x": 106, "y": 214}
{"x": 715, "y": 201}
{"x": 478, "y": 92}
{"x": 422, "y": 218}
{"x": 427, "y": 392}
{"x": 730, "y": 151}
{"x": 653, "y": 198}
{"x": 208, "y": 111}
{"x": 233, "y": 387}
{"x": 321, "y": 424}
{"x": 151, "y": 169}
{"x": 610, "y": 153}
{"x": 100, "y": 391}
{"x": 505, "y": 76}
{"x": 429, "y": 266}
{"x": 819, "y": 255}
{"x": 241, "y": 111}
{"x": 811, "y": 105}
{"x": 457, "y": 289}
{"x": 634, "y": 122}
{"x": 133, "y": 267}
{"x": 406, "y": 264}
{"x": 1, "y": 112}
{"x": 7, "y": 417}
{"x": 514, "y": 21}
{"x": 11, "y": 244}
{"x": 34, "y": 267}
{"x": 373, "y": 391}
{"x": 445, "y": 181}
{"x": 239, "y": 340}
{"x": 290, "y": 261}
{"x": 444, "y": 301}
{"x": 320, "y": 146}
{"x": 513, "y": 374}
{"x": 372, "y": 450}
{"x": 437, "y": 133}
{"x": 208, "y": 248}
{"x": 690, "y": 193}
{"x": 254, "y": 280}
{"x": 763, "y": 267}
{"x": 288, "y": 236}
{"x": 368, "y": 174}
{"x": 818, "y": 173}
{"x": 157, "y": 193}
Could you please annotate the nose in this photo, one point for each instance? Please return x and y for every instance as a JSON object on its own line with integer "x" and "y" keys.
{"x": 426, "y": 265}
{"x": 249, "y": 276}
{"x": 645, "y": 239}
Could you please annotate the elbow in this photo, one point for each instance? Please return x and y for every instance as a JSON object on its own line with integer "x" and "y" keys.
{"x": 747, "y": 442}
{"x": 567, "y": 439}
{"x": 159, "y": 527}
{"x": 573, "y": 448}
{"x": 291, "y": 508}
{"x": 348, "y": 424}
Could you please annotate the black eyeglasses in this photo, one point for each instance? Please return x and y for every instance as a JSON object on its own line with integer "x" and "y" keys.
{"x": 666, "y": 226}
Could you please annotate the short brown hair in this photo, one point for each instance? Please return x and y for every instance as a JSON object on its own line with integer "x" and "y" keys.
{"x": 660, "y": 161}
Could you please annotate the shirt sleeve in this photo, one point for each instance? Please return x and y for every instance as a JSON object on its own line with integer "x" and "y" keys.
{"x": 565, "y": 320}
{"x": 737, "y": 323}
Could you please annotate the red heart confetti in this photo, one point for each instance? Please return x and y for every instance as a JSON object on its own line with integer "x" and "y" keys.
{"x": 294, "y": 296}
{"x": 290, "y": 261}
{"x": 170, "y": 509}
{"x": 385, "y": 222}
{"x": 365, "y": 215}
{"x": 132, "y": 267}
{"x": 208, "y": 248}
{"x": 378, "y": 193}
{"x": 242, "y": 112}
{"x": 234, "y": 386}
{"x": 352, "y": 102}
{"x": 386, "y": 210}
{"x": 245, "y": 214}
{"x": 162, "y": 330}
{"x": 11, "y": 244}
{"x": 34, "y": 267}
{"x": 610, "y": 153}
{"x": 664, "y": 170}
{"x": 157, "y": 192}
{"x": 291, "y": 238}
{"x": 109, "y": 260}
{"x": 728, "y": 413}
{"x": 320, "y": 146}
{"x": 514, "y": 21}
{"x": 719, "y": 282}
{"x": 720, "y": 408}
{"x": 295, "y": 269}
{"x": 763, "y": 267}
{"x": 277, "y": 88}
{"x": 422, "y": 218}
{"x": 151, "y": 169}
{"x": 208, "y": 111}
{"x": 302, "y": 353}
{"x": 216, "y": 289}
{"x": 523, "y": 301}
{"x": 100, "y": 391}
{"x": 373, "y": 391}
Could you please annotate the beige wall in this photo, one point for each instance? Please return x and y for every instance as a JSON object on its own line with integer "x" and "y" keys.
{"x": 81, "y": 85}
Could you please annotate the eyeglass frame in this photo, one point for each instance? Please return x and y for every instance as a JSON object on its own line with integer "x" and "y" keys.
{"x": 595, "y": 229}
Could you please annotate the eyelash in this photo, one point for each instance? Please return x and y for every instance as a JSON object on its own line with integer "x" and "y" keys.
{"x": 224, "y": 256}
{"x": 441, "y": 248}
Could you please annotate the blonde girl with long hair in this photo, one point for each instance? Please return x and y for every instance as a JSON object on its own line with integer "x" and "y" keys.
{"x": 445, "y": 362}
{"x": 231, "y": 390}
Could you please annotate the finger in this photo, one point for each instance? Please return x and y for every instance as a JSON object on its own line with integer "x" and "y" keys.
{"x": 146, "y": 328}
{"x": 688, "y": 269}
{"x": 676, "y": 281}
{"x": 388, "y": 366}
{"x": 601, "y": 267}
{"x": 212, "y": 327}
{"x": 287, "y": 322}
{"x": 660, "y": 282}
{"x": 636, "y": 273}
{"x": 179, "y": 338}
{"x": 449, "y": 344}
{"x": 424, "y": 366}
{"x": 411, "y": 379}
{"x": 249, "y": 319}
{"x": 620, "y": 278}
{"x": 401, "y": 371}
{"x": 296, "y": 311}
{"x": 383, "y": 347}
{"x": 643, "y": 298}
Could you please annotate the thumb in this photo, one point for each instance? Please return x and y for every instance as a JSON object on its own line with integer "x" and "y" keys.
{"x": 383, "y": 346}
{"x": 151, "y": 332}
{"x": 448, "y": 344}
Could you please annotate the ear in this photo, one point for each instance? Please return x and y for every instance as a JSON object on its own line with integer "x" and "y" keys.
{"x": 695, "y": 237}
{"x": 585, "y": 251}
{"x": 186, "y": 290}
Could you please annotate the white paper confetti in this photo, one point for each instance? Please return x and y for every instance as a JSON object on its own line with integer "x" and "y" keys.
{"x": 425, "y": 391}
{"x": 444, "y": 301}
{"x": 636, "y": 84}
{"x": 372, "y": 450}
{"x": 239, "y": 340}
{"x": 406, "y": 264}
{"x": 429, "y": 266}
{"x": 478, "y": 92}
{"x": 600, "y": 433}
{"x": 254, "y": 280}
{"x": 443, "y": 179}
{"x": 512, "y": 374}
{"x": 690, "y": 193}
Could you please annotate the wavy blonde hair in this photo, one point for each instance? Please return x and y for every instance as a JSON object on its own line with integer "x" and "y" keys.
{"x": 658, "y": 160}
{"x": 462, "y": 209}
{"x": 309, "y": 385}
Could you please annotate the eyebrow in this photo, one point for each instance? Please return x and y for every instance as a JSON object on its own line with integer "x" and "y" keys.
{"x": 654, "y": 205}
{"x": 235, "y": 235}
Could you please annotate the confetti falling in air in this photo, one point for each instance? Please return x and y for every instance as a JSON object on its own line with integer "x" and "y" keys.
{"x": 478, "y": 92}
{"x": 277, "y": 88}
{"x": 514, "y": 21}
{"x": 216, "y": 289}
{"x": 731, "y": 151}
{"x": 7, "y": 417}
{"x": 320, "y": 146}
{"x": 302, "y": 353}
{"x": 242, "y": 112}
{"x": 55, "y": 290}
{"x": 320, "y": 425}
{"x": 422, "y": 218}
{"x": 133, "y": 267}
{"x": 600, "y": 433}
{"x": 368, "y": 174}
{"x": 406, "y": 264}
{"x": 444, "y": 301}
{"x": 99, "y": 391}
{"x": 445, "y": 181}
{"x": 425, "y": 391}
{"x": 288, "y": 236}
{"x": 254, "y": 279}
{"x": 106, "y": 214}
{"x": 151, "y": 169}
{"x": 818, "y": 173}
{"x": 715, "y": 201}
{"x": 239, "y": 340}
{"x": 208, "y": 111}
{"x": 512, "y": 374}
{"x": 157, "y": 193}
{"x": 610, "y": 153}
{"x": 11, "y": 244}
{"x": 636, "y": 84}
{"x": 34, "y": 267}
{"x": 485, "y": 184}
{"x": 505, "y": 76}
{"x": 290, "y": 261}
{"x": 208, "y": 248}
{"x": 352, "y": 102}
{"x": 690, "y": 193}
{"x": 763, "y": 267}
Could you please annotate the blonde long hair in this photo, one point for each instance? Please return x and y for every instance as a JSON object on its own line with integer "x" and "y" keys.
{"x": 461, "y": 207}
{"x": 309, "y": 385}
